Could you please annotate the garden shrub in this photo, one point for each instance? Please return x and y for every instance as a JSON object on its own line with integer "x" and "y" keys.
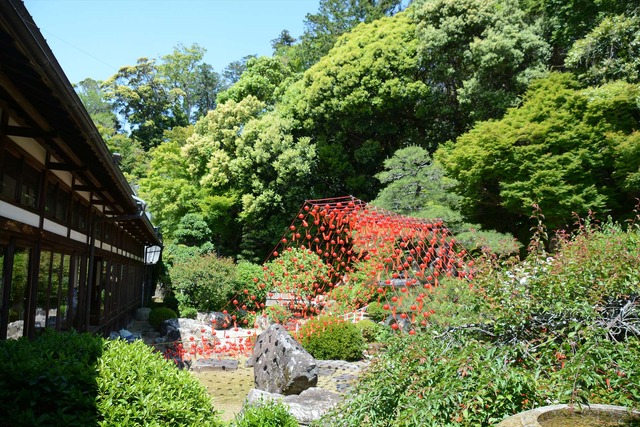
{"x": 370, "y": 330}
{"x": 139, "y": 387}
{"x": 50, "y": 380}
{"x": 170, "y": 301}
{"x": 206, "y": 283}
{"x": 439, "y": 382}
{"x": 331, "y": 338}
{"x": 376, "y": 312}
{"x": 159, "y": 315}
{"x": 351, "y": 297}
{"x": 268, "y": 413}
{"x": 71, "y": 379}
{"x": 311, "y": 271}
{"x": 189, "y": 313}
{"x": 256, "y": 290}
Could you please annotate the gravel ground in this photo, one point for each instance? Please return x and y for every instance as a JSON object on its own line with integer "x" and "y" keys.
{"x": 228, "y": 387}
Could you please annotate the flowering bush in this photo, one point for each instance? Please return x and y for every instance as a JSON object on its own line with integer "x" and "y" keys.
{"x": 558, "y": 328}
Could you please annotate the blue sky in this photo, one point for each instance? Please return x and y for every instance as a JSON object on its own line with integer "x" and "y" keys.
{"x": 94, "y": 38}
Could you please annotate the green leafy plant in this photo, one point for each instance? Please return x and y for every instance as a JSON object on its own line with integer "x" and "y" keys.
{"x": 312, "y": 277}
{"x": 370, "y": 330}
{"x": 269, "y": 413}
{"x": 206, "y": 283}
{"x": 328, "y": 337}
{"x": 170, "y": 301}
{"x": 278, "y": 314}
{"x": 189, "y": 313}
{"x": 50, "y": 380}
{"x": 254, "y": 292}
{"x": 350, "y": 297}
{"x": 558, "y": 328}
{"x": 139, "y": 387}
{"x": 159, "y": 315}
{"x": 376, "y": 311}
{"x": 72, "y": 379}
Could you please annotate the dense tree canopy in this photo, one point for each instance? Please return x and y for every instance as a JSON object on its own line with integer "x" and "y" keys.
{"x": 262, "y": 78}
{"x": 153, "y": 96}
{"x": 129, "y": 153}
{"x": 611, "y": 51}
{"x": 479, "y": 55}
{"x": 565, "y": 21}
{"x": 416, "y": 186}
{"x": 334, "y": 18}
{"x": 362, "y": 102}
{"x": 559, "y": 150}
{"x": 167, "y": 187}
{"x": 359, "y": 103}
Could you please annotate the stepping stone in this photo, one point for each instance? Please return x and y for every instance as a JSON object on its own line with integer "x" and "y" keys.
{"x": 215, "y": 365}
{"x": 326, "y": 372}
{"x": 345, "y": 378}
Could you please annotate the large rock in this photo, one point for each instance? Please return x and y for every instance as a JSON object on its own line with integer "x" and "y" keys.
{"x": 306, "y": 407}
{"x": 185, "y": 329}
{"x": 216, "y": 319}
{"x": 281, "y": 365}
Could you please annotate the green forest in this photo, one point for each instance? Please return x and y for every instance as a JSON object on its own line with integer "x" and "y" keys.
{"x": 472, "y": 111}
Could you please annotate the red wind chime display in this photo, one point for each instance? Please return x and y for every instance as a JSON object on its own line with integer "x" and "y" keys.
{"x": 340, "y": 254}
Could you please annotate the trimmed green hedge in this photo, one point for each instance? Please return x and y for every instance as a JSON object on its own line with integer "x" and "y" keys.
{"x": 329, "y": 338}
{"x": 139, "y": 387}
{"x": 71, "y": 379}
{"x": 49, "y": 381}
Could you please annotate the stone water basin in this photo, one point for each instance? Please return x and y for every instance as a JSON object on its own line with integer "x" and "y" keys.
{"x": 574, "y": 416}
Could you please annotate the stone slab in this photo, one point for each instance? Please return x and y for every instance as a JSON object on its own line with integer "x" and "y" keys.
{"x": 215, "y": 365}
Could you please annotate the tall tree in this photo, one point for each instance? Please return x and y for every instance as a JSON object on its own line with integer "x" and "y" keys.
{"x": 207, "y": 86}
{"x": 262, "y": 78}
{"x": 94, "y": 100}
{"x": 234, "y": 70}
{"x": 284, "y": 41}
{"x": 560, "y": 150}
{"x": 153, "y": 96}
{"x": 272, "y": 169}
{"x": 168, "y": 188}
{"x": 611, "y": 51}
{"x": 192, "y": 83}
{"x": 362, "y": 102}
{"x": 130, "y": 153}
{"x": 334, "y": 18}
{"x": 479, "y": 54}
{"x": 141, "y": 96}
{"x": 251, "y": 171}
{"x": 215, "y": 139}
{"x": 417, "y": 186}
{"x": 566, "y": 21}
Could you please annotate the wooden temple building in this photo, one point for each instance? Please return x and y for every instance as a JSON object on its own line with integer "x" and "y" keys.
{"x": 75, "y": 243}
